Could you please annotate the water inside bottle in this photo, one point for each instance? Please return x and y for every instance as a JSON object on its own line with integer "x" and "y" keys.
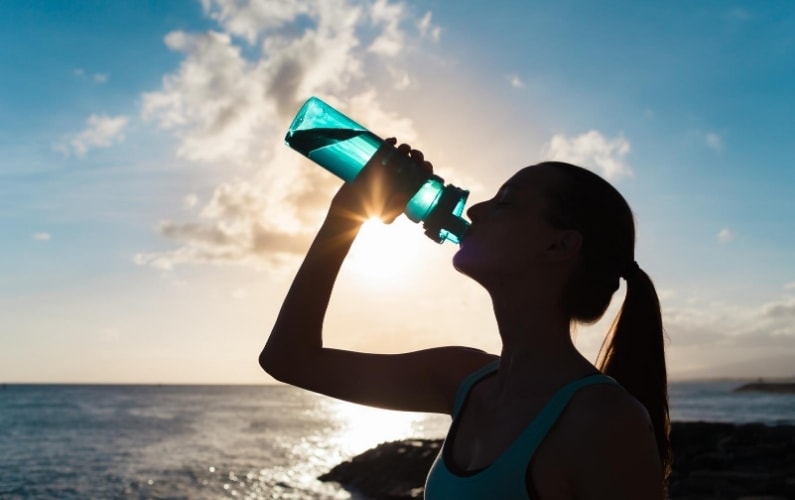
{"x": 344, "y": 152}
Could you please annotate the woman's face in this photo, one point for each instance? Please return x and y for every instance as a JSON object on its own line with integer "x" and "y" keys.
{"x": 509, "y": 238}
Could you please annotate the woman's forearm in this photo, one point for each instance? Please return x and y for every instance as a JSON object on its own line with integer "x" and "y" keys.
{"x": 297, "y": 333}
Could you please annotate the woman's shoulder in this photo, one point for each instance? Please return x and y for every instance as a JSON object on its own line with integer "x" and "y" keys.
{"x": 609, "y": 446}
{"x": 605, "y": 427}
{"x": 605, "y": 406}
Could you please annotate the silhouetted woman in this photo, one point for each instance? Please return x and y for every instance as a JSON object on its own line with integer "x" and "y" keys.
{"x": 538, "y": 421}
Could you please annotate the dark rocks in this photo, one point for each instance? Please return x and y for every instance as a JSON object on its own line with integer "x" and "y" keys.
{"x": 751, "y": 461}
{"x": 390, "y": 470}
{"x": 711, "y": 461}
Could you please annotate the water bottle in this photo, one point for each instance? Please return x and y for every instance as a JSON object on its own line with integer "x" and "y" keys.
{"x": 343, "y": 147}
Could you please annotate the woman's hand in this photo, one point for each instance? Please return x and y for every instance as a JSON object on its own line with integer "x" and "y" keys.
{"x": 371, "y": 194}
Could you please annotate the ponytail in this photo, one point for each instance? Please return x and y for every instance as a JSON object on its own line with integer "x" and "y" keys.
{"x": 633, "y": 353}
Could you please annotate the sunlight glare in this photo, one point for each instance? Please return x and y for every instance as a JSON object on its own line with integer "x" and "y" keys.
{"x": 386, "y": 253}
{"x": 363, "y": 427}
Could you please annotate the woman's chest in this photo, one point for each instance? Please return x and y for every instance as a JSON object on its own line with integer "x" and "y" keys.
{"x": 484, "y": 437}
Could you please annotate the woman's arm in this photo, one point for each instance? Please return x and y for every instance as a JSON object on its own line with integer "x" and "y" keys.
{"x": 294, "y": 353}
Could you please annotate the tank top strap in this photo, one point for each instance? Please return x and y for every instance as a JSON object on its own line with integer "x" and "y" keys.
{"x": 470, "y": 380}
{"x": 532, "y": 437}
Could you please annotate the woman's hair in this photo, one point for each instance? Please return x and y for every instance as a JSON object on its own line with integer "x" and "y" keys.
{"x": 633, "y": 351}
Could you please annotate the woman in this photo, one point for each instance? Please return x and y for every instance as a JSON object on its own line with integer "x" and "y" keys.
{"x": 538, "y": 421}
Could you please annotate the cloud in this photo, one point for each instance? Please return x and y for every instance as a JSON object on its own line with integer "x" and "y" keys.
{"x": 726, "y": 235}
{"x": 249, "y": 20}
{"x": 391, "y": 40}
{"x": 783, "y": 310}
{"x": 42, "y": 236}
{"x": 98, "y": 78}
{"x": 221, "y": 104}
{"x": 592, "y": 150}
{"x": 102, "y": 131}
{"x": 231, "y": 106}
{"x": 740, "y": 332}
{"x": 427, "y": 29}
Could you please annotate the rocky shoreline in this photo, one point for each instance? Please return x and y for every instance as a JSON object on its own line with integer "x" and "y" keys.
{"x": 711, "y": 461}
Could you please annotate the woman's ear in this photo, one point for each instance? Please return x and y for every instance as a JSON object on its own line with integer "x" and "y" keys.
{"x": 565, "y": 247}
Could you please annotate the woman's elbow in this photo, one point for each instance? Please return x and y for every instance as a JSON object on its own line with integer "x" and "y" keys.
{"x": 269, "y": 361}
{"x": 279, "y": 364}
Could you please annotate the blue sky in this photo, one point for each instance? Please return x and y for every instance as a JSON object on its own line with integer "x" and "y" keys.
{"x": 152, "y": 218}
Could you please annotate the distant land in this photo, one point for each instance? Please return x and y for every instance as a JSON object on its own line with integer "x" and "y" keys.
{"x": 771, "y": 387}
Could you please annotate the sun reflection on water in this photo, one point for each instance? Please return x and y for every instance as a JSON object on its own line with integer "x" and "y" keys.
{"x": 361, "y": 427}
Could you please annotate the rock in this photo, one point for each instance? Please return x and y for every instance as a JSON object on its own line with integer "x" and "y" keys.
{"x": 390, "y": 470}
{"x": 711, "y": 460}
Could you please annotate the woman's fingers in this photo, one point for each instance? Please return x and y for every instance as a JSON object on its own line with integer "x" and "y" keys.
{"x": 419, "y": 157}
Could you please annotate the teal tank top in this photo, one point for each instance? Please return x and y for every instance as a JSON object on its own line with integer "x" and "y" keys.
{"x": 505, "y": 477}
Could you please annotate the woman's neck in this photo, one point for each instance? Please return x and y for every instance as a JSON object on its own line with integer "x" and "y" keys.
{"x": 538, "y": 353}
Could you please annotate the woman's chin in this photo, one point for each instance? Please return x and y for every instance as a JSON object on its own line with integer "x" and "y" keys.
{"x": 462, "y": 261}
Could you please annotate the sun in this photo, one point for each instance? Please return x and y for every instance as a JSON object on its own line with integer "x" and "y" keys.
{"x": 386, "y": 254}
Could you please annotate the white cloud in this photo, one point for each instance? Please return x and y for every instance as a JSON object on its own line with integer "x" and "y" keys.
{"x": 42, "y": 236}
{"x": 391, "y": 40}
{"x": 250, "y": 20}
{"x": 790, "y": 286}
{"x": 726, "y": 235}
{"x": 592, "y": 150}
{"x": 427, "y": 29}
{"x": 102, "y": 131}
{"x": 229, "y": 106}
{"x": 738, "y": 332}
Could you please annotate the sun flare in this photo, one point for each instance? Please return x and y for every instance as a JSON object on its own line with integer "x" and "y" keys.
{"x": 385, "y": 254}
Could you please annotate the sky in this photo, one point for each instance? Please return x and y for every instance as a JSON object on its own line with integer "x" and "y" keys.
{"x": 152, "y": 217}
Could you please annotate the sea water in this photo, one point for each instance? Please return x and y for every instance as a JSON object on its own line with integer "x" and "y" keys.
{"x": 271, "y": 441}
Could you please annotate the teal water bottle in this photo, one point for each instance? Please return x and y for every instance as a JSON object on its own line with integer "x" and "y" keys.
{"x": 343, "y": 147}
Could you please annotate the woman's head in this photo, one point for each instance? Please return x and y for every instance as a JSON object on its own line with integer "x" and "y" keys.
{"x": 584, "y": 202}
{"x": 553, "y": 222}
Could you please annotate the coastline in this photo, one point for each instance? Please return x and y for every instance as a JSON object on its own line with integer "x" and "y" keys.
{"x": 711, "y": 460}
{"x": 768, "y": 387}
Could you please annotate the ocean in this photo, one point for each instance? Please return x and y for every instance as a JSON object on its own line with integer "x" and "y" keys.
{"x": 257, "y": 442}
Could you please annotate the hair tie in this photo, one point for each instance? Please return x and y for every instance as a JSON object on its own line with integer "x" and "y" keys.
{"x": 629, "y": 270}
